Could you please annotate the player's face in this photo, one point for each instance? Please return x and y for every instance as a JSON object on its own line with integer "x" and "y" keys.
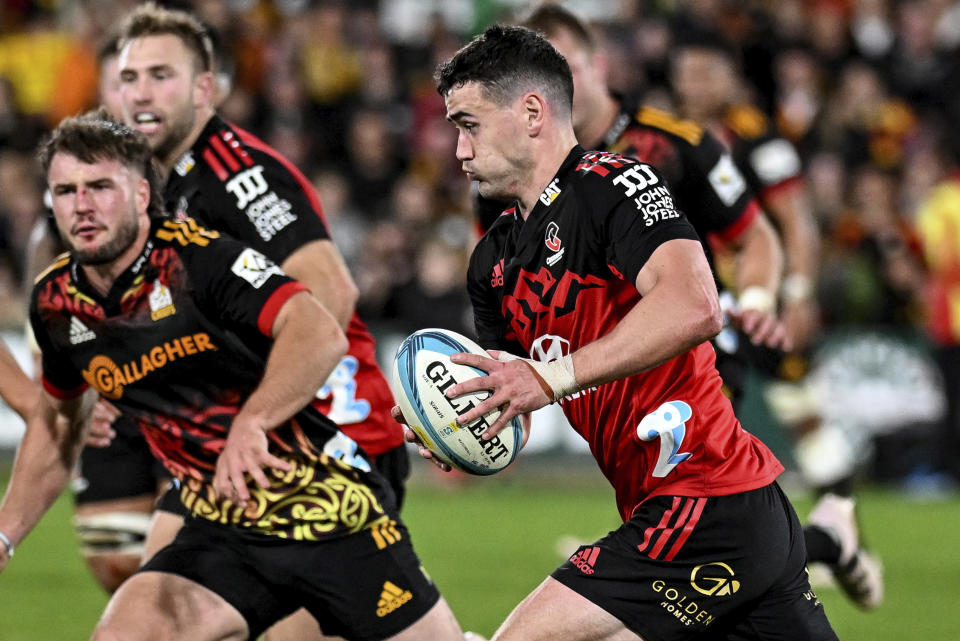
{"x": 109, "y": 87}
{"x": 703, "y": 80}
{"x": 98, "y": 207}
{"x": 492, "y": 142}
{"x": 162, "y": 91}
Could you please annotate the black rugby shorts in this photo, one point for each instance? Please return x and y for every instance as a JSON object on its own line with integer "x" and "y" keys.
{"x": 727, "y": 567}
{"x": 124, "y": 469}
{"x": 365, "y": 586}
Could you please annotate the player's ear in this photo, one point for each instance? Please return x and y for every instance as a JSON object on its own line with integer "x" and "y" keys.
{"x": 142, "y": 195}
{"x": 204, "y": 88}
{"x": 535, "y": 110}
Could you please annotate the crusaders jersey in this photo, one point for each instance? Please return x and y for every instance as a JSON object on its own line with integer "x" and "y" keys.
{"x": 565, "y": 277}
{"x": 706, "y": 184}
{"x": 233, "y": 182}
{"x": 178, "y": 344}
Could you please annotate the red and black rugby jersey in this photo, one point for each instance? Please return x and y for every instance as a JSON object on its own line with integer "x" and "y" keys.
{"x": 233, "y": 182}
{"x": 565, "y": 277}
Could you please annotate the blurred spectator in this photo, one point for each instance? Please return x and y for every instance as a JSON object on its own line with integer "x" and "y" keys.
{"x": 871, "y": 274}
{"x": 938, "y": 222}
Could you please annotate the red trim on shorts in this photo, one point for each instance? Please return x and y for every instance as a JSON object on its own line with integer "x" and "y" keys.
{"x": 62, "y": 394}
{"x": 668, "y": 532}
{"x": 687, "y": 529}
{"x": 269, "y": 311}
{"x": 224, "y": 153}
{"x": 750, "y": 213}
{"x": 650, "y": 531}
{"x": 218, "y": 169}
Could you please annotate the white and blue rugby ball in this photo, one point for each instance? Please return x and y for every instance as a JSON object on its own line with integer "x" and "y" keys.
{"x": 422, "y": 371}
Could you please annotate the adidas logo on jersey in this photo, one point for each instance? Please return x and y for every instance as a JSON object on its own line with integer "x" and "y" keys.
{"x": 79, "y": 333}
{"x": 391, "y": 599}
{"x": 585, "y": 559}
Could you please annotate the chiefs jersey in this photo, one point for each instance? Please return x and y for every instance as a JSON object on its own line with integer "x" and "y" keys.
{"x": 233, "y": 182}
{"x": 769, "y": 162}
{"x": 706, "y": 184}
{"x": 177, "y": 345}
{"x": 565, "y": 277}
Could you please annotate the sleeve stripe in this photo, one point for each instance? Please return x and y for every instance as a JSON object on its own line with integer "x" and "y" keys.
{"x": 215, "y": 164}
{"x": 237, "y": 148}
{"x": 224, "y": 153}
{"x": 270, "y": 309}
{"x": 784, "y": 186}
{"x": 62, "y": 394}
{"x": 750, "y": 213}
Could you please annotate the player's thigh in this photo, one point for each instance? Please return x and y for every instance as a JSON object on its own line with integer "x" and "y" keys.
{"x": 438, "y": 624}
{"x": 554, "y": 611}
{"x": 299, "y": 626}
{"x": 167, "y": 519}
{"x": 159, "y": 606}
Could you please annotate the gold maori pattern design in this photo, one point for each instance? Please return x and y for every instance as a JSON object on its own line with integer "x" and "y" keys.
{"x": 315, "y": 500}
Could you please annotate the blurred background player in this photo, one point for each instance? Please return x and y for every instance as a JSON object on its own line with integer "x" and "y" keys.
{"x": 710, "y": 89}
{"x": 231, "y": 181}
{"x": 707, "y": 185}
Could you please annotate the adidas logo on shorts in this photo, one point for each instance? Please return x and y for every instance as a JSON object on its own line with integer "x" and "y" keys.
{"x": 79, "y": 333}
{"x": 585, "y": 559}
{"x": 391, "y": 599}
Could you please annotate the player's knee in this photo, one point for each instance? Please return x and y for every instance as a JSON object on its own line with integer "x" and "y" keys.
{"x": 112, "y": 543}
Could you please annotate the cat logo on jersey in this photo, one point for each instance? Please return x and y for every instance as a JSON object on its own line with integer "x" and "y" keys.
{"x": 185, "y": 164}
{"x": 553, "y": 243}
{"x": 550, "y": 193}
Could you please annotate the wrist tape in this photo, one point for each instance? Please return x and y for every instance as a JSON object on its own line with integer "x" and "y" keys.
{"x": 556, "y": 377}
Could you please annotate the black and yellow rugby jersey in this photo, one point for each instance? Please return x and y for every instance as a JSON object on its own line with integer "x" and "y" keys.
{"x": 178, "y": 344}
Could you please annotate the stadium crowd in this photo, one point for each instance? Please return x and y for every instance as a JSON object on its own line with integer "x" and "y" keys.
{"x": 866, "y": 90}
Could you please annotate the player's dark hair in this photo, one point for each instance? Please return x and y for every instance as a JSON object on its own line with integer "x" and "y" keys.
{"x": 96, "y": 136}
{"x": 506, "y": 62}
{"x": 150, "y": 19}
{"x": 109, "y": 46}
{"x": 550, "y": 19}
{"x": 691, "y": 37}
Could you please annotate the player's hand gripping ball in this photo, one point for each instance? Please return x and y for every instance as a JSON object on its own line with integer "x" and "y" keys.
{"x": 422, "y": 372}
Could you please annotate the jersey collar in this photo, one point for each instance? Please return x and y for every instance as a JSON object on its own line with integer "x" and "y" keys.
{"x": 139, "y": 267}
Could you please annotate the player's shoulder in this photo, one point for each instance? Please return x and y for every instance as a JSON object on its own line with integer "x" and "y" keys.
{"x": 747, "y": 121}
{"x": 604, "y": 177}
{"x": 181, "y": 233}
{"x": 670, "y": 124}
{"x": 59, "y": 265}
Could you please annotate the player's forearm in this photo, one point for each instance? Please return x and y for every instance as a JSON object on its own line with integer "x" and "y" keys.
{"x": 16, "y": 388}
{"x": 677, "y": 313}
{"x": 760, "y": 261}
{"x": 308, "y": 345}
{"x": 320, "y": 267}
{"x": 43, "y": 465}
{"x": 801, "y": 240}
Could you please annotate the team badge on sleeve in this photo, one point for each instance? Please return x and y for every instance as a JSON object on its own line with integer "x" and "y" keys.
{"x": 254, "y": 267}
{"x": 726, "y": 180}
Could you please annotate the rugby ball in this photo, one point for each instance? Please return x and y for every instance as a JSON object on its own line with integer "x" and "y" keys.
{"x": 422, "y": 371}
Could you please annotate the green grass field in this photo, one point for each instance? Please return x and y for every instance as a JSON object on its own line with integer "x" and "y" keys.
{"x": 488, "y": 542}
